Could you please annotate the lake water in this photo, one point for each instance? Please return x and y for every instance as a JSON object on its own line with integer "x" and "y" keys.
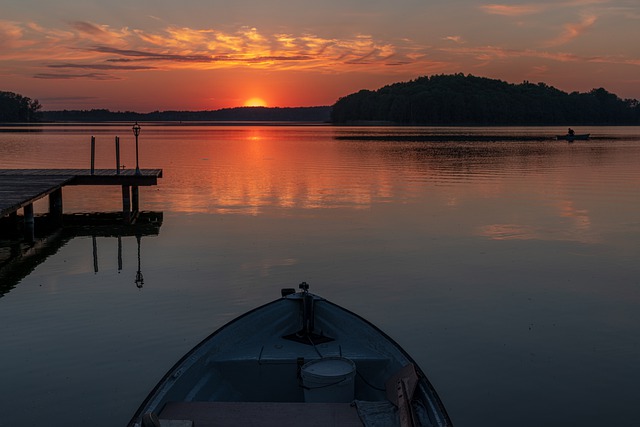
{"x": 508, "y": 269}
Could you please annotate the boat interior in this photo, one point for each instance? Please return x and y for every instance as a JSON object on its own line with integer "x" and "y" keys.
{"x": 289, "y": 377}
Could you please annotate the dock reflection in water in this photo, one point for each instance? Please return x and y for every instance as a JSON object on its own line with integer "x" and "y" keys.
{"x": 19, "y": 259}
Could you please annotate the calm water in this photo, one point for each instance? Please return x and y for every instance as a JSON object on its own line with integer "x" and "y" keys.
{"x": 509, "y": 270}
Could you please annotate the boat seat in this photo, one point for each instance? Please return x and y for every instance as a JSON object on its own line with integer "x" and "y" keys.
{"x": 265, "y": 414}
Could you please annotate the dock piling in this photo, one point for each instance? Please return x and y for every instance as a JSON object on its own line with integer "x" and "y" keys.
{"x": 55, "y": 205}
{"x": 13, "y": 225}
{"x": 29, "y": 223}
{"x": 117, "y": 155}
{"x": 135, "y": 198}
{"x": 93, "y": 154}
{"x": 126, "y": 203}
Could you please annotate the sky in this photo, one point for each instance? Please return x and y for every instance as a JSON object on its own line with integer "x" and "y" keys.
{"x": 148, "y": 55}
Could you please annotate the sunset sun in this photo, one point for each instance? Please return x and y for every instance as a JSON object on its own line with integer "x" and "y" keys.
{"x": 255, "y": 102}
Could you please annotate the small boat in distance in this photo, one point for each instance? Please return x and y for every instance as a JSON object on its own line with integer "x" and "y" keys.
{"x": 297, "y": 361}
{"x": 582, "y": 136}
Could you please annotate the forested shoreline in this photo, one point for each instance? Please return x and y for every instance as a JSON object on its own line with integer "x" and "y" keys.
{"x": 276, "y": 114}
{"x": 451, "y": 100}
{"x": 468, "y": 100}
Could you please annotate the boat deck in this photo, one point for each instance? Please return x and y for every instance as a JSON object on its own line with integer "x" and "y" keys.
{"x": 264, "y": 414}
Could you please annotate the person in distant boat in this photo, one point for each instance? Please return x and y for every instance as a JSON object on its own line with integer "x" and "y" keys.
{"x": 571, "y": 132}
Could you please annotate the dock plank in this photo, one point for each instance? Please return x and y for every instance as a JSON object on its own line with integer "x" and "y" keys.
{"x": 17, "y": 192}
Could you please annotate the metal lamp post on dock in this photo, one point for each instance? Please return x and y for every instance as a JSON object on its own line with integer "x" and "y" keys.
{"x": 136, "y": 132}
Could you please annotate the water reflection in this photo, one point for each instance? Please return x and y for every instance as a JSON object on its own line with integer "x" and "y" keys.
{"x": 139, "y": 279}
{"x": 509, "y": 191}
{"x": 19, "y": 259}
{"x": 497, "y": 264}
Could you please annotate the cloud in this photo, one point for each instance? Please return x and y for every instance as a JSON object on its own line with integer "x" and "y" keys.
{"x": 138, "y": 55}
{"x": 455, "y": 39}
{"x": 90, "y": 76}
{"x": 10, "y": 35}
{"x": 513, "y": 10}
{"x": 69, "y": 98}
{"x": 113, "y": 52}
{"x": 573, "y": 30}
{"x": 101, "y": 67}
{"x": 489, "y": 54}
{"x": 534, "y": 8}
{"x": 149, "y": 55}
{"x": 89, "y": 28}
{"x": 569, "y": 31}
{"x": 87, "y": 45}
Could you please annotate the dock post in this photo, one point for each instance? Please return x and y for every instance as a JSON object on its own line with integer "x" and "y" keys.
{"x": 117, "y": 155}
{"x": 29, "y": 223}
{"x": 126, "y": 203}
{"x": 135, "y": 198}
{"x": 93, "y": 153}
{"x": 55, "y": 206}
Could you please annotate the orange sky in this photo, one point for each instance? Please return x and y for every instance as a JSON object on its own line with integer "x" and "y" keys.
{"x": 195, "y": 55}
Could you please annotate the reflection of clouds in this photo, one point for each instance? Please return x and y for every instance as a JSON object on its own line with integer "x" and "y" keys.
{"x": 252, "y": 169}
{"x": 255, "y": 170}
{"x": 266, "y": 265}
{"x": 580, "y": 217}
{"x": 509, "y": 232}
{"x": 525, "y": 232}
{"x": 579, "y": 230}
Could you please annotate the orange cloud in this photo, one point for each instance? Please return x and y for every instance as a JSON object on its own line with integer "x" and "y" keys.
{"x": 533, "y": 8}
{"x": 92, "y": 46}
{"x": 10, "y": 35}
{"x": 455, "y": 39}
{"x": 494, "y": 53}
{"x": 513, "y": 10}
{"x": 573, "y": 30}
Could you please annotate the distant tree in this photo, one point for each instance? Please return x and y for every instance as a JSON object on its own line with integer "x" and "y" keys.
{"x": 469, "y": 100}
{"x": 18, "y": 108}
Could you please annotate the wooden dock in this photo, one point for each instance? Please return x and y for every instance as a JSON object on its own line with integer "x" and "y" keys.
{"x": 20, "y": 188}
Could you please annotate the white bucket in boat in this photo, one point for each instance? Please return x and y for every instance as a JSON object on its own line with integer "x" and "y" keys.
{"x": 329, "y": 380}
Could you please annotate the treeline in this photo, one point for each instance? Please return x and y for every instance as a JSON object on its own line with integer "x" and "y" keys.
{"x": 468, "y": 100}
{"x": 18, "y": 108}
{"x": 288, "y": 114}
